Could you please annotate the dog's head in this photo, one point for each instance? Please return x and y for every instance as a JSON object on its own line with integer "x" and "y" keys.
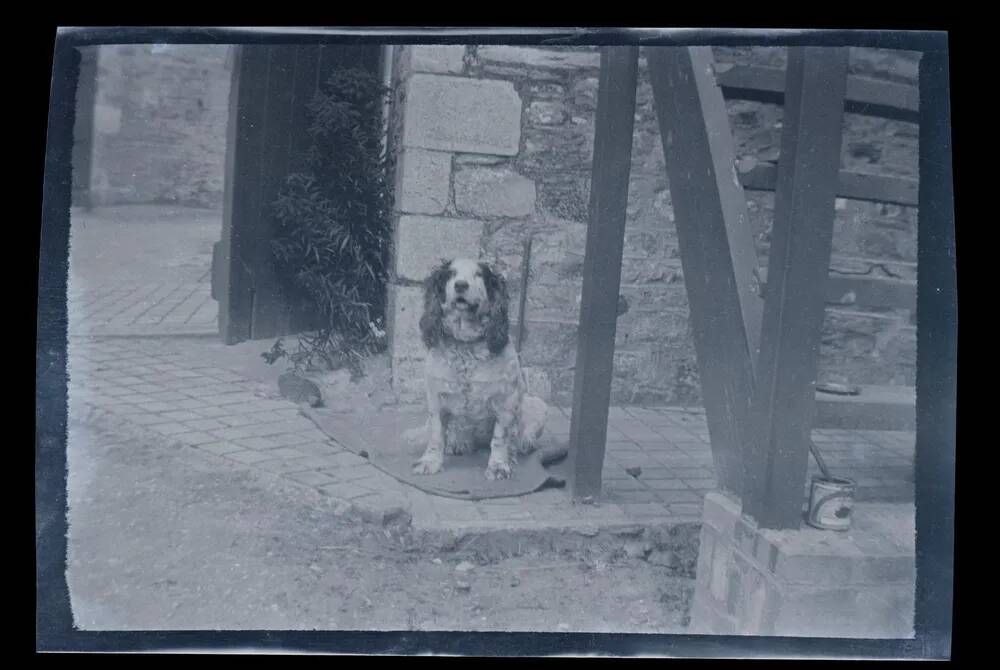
{"x": 465, "y": 300}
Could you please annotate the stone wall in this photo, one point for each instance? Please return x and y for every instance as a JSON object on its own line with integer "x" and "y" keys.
{"x": 160, "y": 124}
{"x": 496, "y": 145}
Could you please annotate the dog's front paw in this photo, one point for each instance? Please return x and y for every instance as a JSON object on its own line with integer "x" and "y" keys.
{"x": 428, "y": 465}
{"x": 499, "y": 469}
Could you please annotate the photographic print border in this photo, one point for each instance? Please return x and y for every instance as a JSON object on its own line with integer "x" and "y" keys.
{"x": 936, "y": 367}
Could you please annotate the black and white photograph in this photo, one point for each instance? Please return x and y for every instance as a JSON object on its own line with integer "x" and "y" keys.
{"x": 558, "y": 336}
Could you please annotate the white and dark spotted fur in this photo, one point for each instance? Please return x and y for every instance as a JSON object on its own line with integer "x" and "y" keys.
{"x": 476, "y": 393}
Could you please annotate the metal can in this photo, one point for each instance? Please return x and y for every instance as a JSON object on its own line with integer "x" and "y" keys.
{"x": 831, "y": 502}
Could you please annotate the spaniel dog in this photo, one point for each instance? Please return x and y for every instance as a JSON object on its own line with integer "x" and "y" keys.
{"x": 476, "y": 391}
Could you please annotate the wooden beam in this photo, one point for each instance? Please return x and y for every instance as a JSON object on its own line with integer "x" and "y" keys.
{"x": 867, "y": 291}
{"x": 241, "y": 189}
{"x": 864, "y": 95}
{"x": 602, "y": 266}
{"x": 937, "y": 356}
{"x": 882, "y": 98}
{"x": 877, "y": 292}
{"x": 853, "y": 185}
{"x": 784, "y": 404}
{"x": 716, "y": 244}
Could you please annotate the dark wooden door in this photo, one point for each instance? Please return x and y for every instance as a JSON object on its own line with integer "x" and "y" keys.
{"x": 266, "y": 138}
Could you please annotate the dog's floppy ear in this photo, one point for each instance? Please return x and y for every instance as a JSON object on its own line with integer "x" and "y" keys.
{"x": 497, "y": 320}
{"x": 431, "y": 325}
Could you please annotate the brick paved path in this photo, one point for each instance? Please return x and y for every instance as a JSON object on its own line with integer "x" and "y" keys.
{"x": 145, "y": 309}
{"x": 181, "y": 397}
{"x": 142, "y": 270}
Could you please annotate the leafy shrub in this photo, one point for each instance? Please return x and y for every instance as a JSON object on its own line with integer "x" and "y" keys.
{"x": 333, "y": 231}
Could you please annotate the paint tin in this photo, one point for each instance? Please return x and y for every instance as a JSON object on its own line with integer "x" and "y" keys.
{"x": 831, "y": 502}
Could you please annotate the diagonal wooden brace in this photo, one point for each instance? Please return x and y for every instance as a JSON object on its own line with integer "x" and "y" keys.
{"x": 716, "y": 243}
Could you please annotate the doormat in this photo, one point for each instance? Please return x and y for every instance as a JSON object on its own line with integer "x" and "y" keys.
{"x": 379, "y": 438}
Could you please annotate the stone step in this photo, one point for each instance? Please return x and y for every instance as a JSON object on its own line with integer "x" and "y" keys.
{"x": 875, "y": 408}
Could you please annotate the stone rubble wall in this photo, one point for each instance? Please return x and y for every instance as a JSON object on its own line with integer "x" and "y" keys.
{"x": 496, "y": 145}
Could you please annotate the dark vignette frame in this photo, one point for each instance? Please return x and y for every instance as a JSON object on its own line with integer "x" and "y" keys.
{"x": 936, "y": 367}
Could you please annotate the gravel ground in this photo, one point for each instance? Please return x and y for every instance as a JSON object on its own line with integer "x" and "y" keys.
{"x": 167, "y": 539}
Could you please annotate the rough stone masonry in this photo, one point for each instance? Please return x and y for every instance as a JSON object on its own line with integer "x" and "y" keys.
{"x": 496, "y": 145}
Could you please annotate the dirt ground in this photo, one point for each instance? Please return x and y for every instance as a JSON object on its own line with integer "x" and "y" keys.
{"x": 165, "y": 538}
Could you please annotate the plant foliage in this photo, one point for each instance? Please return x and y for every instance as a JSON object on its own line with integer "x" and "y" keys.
{"x": 333, "y": 229}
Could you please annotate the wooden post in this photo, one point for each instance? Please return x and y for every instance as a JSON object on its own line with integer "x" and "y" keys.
{"x": 602, "y": 266}
{"x": 716, "y": 244}
{"x": 937, "y": 356}
{"x": 783, "y": 409}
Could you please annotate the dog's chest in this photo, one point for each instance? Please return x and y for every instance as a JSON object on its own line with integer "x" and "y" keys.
{"x": 466, "y": 380}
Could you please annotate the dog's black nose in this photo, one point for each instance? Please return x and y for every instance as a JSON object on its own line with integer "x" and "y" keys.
{"x": 461, "y": 286}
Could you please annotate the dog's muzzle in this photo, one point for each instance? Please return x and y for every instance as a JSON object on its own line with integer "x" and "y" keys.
{"x": 464, "y": 305}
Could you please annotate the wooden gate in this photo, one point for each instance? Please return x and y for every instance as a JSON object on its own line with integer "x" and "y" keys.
{"x": 266, "y": 138}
